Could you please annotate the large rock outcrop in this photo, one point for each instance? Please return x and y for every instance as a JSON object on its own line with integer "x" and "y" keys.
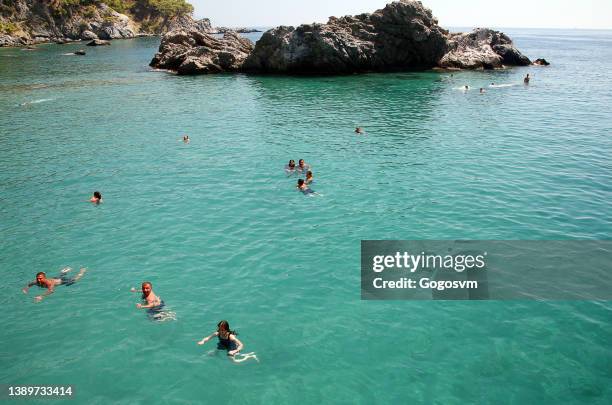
{"x": 482, "y": 48}
{"x": 402, "y": 36}
{"x": 196, "y": 52}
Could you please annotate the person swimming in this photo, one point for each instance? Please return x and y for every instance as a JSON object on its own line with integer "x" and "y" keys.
{"x": 155, "y": 306}
{"x": 186, "y": 138}
{"x": 50, "y": 283}
{"x": 290, "y": 167}
{"x": 527, "y": 79}
{"x": 301, "y": 186}
{"x": 96, "y": 198}
{"x": 359, "y": 130}
{"x": 482, "y": 90}
{"x": 153, "y": 302}
{"x": 229, "y": 342}
{"x": 302, "y": 166}
{"x": 309, "y": 179}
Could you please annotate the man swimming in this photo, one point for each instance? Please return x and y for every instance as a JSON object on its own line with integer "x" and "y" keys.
{"x": 152, "y": 300}
{"x": 359, "y": 130}
{"x": 302, "y": 166}
{"x": 155, "y": 306}
{"x": 526, "y": 79}
{"x": 50, "y": 283}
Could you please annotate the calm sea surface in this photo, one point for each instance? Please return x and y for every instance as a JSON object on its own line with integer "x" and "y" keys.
{"x": 220, "y": 231}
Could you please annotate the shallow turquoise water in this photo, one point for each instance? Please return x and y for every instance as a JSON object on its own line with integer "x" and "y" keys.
{"x": 222, "y": 234}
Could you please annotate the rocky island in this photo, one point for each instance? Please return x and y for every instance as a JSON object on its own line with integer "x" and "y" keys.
{"x": 26, "y": 22}
{"x": 402, "y": 36}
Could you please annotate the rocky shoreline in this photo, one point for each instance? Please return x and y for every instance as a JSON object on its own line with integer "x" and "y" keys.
{"x": 402, "y": 36}
{"x": 29, "y": 22}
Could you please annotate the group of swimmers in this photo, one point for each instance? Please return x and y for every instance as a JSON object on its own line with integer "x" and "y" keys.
{"x": 302, "y": 167}
{"x": 155, "y": 307}
{"x": 526, "y": 81}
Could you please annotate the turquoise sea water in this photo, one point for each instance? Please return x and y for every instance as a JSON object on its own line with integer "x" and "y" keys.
{"x": 220, "y": 231}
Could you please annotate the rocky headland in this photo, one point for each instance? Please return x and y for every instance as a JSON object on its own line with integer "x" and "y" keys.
{"x": 26, "y": 22}
{"x": 402, "y": 36}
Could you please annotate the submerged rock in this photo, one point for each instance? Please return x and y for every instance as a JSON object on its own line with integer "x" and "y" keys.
{"x": 482, "y": 48}
{"x": 541, "y": 62}
{"x": 80, "y": 52}
{"x": 196, "y": 52}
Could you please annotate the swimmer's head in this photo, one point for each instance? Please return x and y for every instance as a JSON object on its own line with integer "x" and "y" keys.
{"x": 223, "y": 327}
{"x": 308, "y": 173}
{"x": 301, "y": 162}
{"x": 300, "y": 182}
{"x": 466, "y": 87}
{"x": 146, "y": 288}
{"x": 292, "y": 163}
{"x": 40, "y": 276}
{"x": 97, "y": 195}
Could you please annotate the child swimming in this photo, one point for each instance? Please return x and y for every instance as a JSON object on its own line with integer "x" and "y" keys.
{"x": 309, "y": 178}
{"x": 228, "y": 341}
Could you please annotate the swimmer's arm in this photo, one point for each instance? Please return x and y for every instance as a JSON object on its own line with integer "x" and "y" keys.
{"x": 49, "y": 291}
{"x": 149, "y": 305}
{"x": 239, "y": 345}
{"x": 207, "y": 338}
{"x": 27, "y": 287}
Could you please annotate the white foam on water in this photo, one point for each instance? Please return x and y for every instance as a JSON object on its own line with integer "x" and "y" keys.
{"x": 41, "y": 100}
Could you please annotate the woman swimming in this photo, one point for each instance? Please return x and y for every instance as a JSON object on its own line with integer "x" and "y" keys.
{"x": 290, "y": 167}
{"x": 227, "y": 339}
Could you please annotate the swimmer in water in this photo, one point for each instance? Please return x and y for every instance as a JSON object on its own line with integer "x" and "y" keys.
{"x": 466, "y": 88}
{"x": 96, "y": 198}
{"x": 359, "y": 130}
{"x": 148, "y": 296}
{"x": 526, "y": 79}
{"x": 186, "y": 139}
{"x": 290, "y": 168}
{"x": 302, "y": 167}
{"x": 482, "y": 91}
{"x": 301, "y": 186}
{"x": 50, "y": 283}
{"x": 228, "y": 341}
{"x": 309, "y": 178}
{"x": 154, "y": 305}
